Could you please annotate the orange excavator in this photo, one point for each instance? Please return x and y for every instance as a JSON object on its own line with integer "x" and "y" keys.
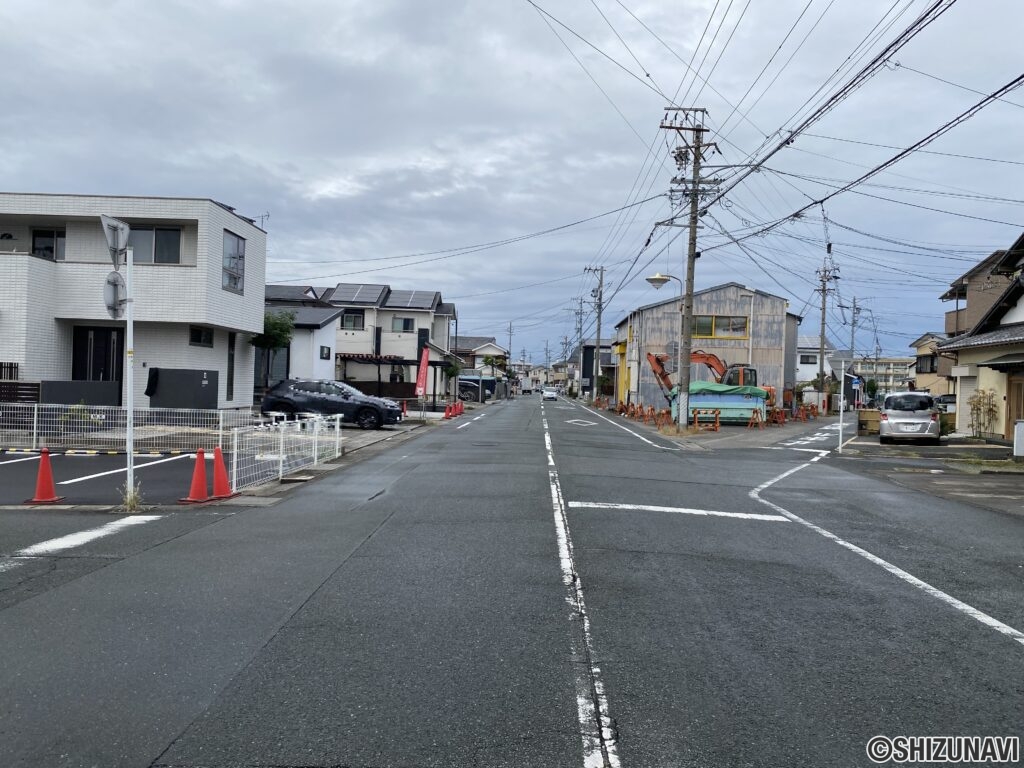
{"x": 736, "y": 375}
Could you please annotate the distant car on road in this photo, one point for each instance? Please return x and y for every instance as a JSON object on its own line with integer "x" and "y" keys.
{"x": 330, "y": 397}
{"x": 909, "y": 416}
{"x": 549, "y": 394}
{"x": 946, "y": 403}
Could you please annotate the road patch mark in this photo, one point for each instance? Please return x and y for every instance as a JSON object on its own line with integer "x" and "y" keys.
{"x": 896, "y": 571}
{"x": 677, "y": 510}
{"x": 582, "y": 422}
{"x": 125, "y": 469}
{"x": 597, "y": 729}
{"x": 84, "y": 537}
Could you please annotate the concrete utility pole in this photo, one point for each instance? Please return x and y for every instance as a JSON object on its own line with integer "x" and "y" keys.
{"x": 579, "y": 335}
{"x": 842, "y": 380}
{"x": 683, "y": 122}
{"x": 547, "y": 362}
{"x": 827, "y": 274}
{"x": 598, "y": 294}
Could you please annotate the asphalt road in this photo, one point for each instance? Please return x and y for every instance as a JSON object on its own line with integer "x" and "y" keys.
{"x": 536, "y": 585}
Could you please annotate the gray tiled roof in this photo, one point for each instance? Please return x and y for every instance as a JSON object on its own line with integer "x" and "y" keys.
{"x": 309, "y": 317}
{"x": 1007, "y": 334}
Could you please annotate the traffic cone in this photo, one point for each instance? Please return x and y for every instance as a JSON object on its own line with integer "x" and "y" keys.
{"x": 405, "y": 412}
{"x": 46, "y": 493}
{"x": 462, "y": 407}
{"x": 447, "y": 411}
{"x": 221, "y": 485}
{"x": 197, "y": 495}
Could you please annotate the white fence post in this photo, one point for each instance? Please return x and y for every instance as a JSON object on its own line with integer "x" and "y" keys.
{"x": 337, "y": 435}
{"x": 220, "y": 430}
{"x": 280, "y": 452}
{"x": 35, "y": 426}
{"x": 234, "y": 460}
{"x": 316, "y": 441}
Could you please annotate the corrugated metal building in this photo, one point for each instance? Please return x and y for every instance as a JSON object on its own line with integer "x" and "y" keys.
{"x": 736, "y": 323}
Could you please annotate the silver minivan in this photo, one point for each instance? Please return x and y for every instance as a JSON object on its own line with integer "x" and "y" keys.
{"x": 909, "y": 416}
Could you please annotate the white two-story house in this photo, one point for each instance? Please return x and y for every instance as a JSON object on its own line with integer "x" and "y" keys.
{"x": 198, "y": 280}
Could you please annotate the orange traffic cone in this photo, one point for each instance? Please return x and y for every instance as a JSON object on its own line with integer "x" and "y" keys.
{"x": 221, "y": 485}
{"x": 447, "y": 411}
{"x": 405, "y": 412}
{"x": 462, "y": 407}
{"x": 46, "y": 493}
{"x": 197, "y": 495}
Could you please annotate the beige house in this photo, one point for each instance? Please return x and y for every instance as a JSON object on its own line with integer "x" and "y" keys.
{"x": 990, "y": 356}
{"x": 932, "y": 371}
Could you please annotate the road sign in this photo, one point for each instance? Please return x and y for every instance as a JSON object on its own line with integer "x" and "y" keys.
{"x": 117, "y": 233}
{"x": 114, "y": 295}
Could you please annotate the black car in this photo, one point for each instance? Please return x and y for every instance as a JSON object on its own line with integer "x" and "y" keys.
{"x": 330, "y": 397}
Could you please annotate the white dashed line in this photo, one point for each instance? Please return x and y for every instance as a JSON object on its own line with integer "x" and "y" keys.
{"x": 84, "y": 537}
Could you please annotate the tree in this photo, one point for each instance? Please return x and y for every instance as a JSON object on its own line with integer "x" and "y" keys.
{"x": 278, "y": 328}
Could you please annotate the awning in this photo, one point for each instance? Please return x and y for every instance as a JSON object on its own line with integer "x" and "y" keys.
{"x": 1005, "y": 362}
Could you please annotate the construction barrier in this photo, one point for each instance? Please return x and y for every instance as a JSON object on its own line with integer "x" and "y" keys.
{"x": 663, "y": 418}
{"x": 756, "y": 419}
{"x": 714, "y": 425}
{"x": 777, "y": 416}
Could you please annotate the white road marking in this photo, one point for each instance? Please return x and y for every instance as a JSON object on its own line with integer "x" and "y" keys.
{"x": 84, "y": 537}
{"x": 125, "y": 469}
{"x": 461, "y": 426}
{"x": 8, "y": 564}
{"x": 600, "y": 747}
{"x": 582, "y": 422}
{"x": 634, "y": 434}
{"x": 27, "y": 458}
{"x": 899, "y": 573}
{"x": 676, "y": 510}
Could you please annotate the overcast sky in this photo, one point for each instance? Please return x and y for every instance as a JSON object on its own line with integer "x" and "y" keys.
{"x": 386, "y": 138}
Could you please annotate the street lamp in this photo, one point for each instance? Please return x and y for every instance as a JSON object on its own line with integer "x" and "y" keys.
{"x": 658, "y": 280}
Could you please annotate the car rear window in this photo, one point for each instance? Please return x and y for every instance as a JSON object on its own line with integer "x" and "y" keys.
{"x": 909, "y": 403}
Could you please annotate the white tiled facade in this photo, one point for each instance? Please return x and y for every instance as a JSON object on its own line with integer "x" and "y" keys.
{"x": 41, "y": 301}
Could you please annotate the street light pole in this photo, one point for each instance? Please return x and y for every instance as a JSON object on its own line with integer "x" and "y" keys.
{"x": 658, "y": 280}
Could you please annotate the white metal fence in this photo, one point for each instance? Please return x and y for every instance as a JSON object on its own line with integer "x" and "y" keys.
{"x": 103, "y": 428}
{"x": 265, "y": 453}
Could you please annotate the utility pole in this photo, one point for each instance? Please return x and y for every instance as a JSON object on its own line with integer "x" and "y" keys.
{"x": 579, "y": 335}
{"x": 687, "y": 121}
{"x": 827, "y": 274}
{"x": 547, "y": 362}
{"x": 842, "y": 381}
{"x": 598, "y": 294}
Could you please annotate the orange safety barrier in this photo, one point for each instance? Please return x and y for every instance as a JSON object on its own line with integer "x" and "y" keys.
{"x": 801, "y": 413}
{"x": 663, "y": 417}
{"x": 756, "y": 420}
{"x": 714, "y": 425}
{"x": 777, "y": 416}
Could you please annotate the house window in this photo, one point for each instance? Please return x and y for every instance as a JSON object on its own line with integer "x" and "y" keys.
{"x": 808, "y": 359}
{"x": 48, "y": 243}
{"x": 199, "y": 336}
{"x": 352, "y": 320}
{"x": 927, "y": 364}
{"x": 720, "y": 326}
{"x": 234, "y": 263}
{"x": 325, "y": 353}
{"x": 402, "y": 325}
{"x": 155, "y": 245}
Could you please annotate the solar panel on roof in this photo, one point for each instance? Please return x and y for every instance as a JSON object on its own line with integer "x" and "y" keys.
{"x": 357, "y": 293}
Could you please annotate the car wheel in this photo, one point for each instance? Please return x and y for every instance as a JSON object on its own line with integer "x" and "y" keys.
{"x": 883, "y": 440}
{"x": 367, "y": 418}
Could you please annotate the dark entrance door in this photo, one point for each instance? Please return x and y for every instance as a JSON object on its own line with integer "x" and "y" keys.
{"x": 97, "y": 354}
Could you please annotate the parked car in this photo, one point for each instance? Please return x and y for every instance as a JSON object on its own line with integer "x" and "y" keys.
{"x": 330, "y": 397}
{"x": 469, "y": 391}
{"x": 946, "y": 403}
{"x": 548, "y": 394}
{"x": 909, "y": 416}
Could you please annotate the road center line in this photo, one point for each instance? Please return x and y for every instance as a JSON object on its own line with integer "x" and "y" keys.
{"x": 676, "y": 510}
{"x": 84, "y": 537}
{"x": 896, "y": 571}
{"x": 600, "y": 744}
{"x": 125, "y": 469}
